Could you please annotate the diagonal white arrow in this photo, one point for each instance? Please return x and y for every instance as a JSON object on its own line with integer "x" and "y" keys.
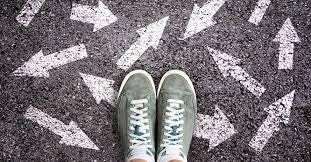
{"x": 228, "y": 66}
{"x": 216, "y": 128}
{"x": 287, "y": 36}
{"x": 71, "y": 134}
{"x": 149, "y": 36}
{"x": 259, "y": 12}
{"x": 202, "y": 17}
{"x": 279, "y": 112}
{"x": 38, "y": 65}
{"x": 100, "y": 16}
{"x": 30, "y": 9}
{"x": 101, "y": 88}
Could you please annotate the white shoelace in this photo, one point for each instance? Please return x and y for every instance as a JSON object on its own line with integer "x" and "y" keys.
{"x": 175, "y": 114}
{"x": 138, "y": 118}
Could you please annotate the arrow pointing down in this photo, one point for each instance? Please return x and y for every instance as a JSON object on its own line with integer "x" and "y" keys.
{"x": 216, "y": 128}
{"x": 149, "y": 36}
{"x": 100, "y": 16}
{"x": 287, "y": 36}
{"x": 279, "y": 112}
{"x": 38, "y": 65}
{"x": 71, "y": 134}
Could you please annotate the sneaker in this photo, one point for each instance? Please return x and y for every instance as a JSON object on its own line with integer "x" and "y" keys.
{"x": 176, "y": 114}
{"x": 136, "y": 116}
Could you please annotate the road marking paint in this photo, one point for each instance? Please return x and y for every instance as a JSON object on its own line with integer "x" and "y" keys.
{"x": 28, "y": 12}
{"x": 228, "y": 66}
{"x": 100, "y": 16}
{"x": 287, "y": 36}
{"x": 259, "y": 12}
{"x": 71, "y": 134}
{"x": 216, "y": 128}
{"x": 149, "y": 36}
{"x": 202, "y": 17}
{"x": 279, "y": 112}
{"x": 101, "y": 88}
{"x": 38, "y": 65}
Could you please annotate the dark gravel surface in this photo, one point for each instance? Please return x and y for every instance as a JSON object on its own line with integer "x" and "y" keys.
{"x": 64, "y": 95}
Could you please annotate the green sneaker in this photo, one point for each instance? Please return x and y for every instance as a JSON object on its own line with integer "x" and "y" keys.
{"x": 176, "y": 114}
{"x": 137, "y": 115}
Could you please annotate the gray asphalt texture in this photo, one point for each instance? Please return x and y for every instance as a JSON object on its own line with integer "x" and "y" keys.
{"x": 65, "y": 96}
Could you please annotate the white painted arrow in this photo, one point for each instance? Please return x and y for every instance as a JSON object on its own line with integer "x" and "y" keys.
{"x": 216, "y": 128}
{"x": 228, "y": 66}
{"x": 101, "y": 88}
{"x": 259, "y": 12}
{"x": 202, "y": 17}
{"x": 71, "y": 134}
{"x": 100, "y": 16}
{"x": 149, "y": 36}
{"x": 279, "y": 112}
{"x": 30, "y": 9}
{"x": 38, "y": 65}
{"x": 287, "y": 36}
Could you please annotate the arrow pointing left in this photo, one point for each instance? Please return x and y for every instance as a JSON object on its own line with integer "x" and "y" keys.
{"x": 38, "y": 65}
{"x": 71, "y": 134}
{"x": 100, "y": 16}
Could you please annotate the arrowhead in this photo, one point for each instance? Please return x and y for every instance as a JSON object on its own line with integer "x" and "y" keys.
{"x": 33, "y": 67}
{"x": 103, "y": 17}
{"x": 287, "y": 33}
{"x": 153, "y": 32}
{"x": 199, "y": 20}
{"x": 217, "y": 128}
{"x": 282, "y": 107}
{"x": 101, "y": 88}
{"x": 74, "y": 136}
{"x": 224, "y": 61}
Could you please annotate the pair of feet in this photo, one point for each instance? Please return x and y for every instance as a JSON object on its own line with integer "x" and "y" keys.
{"x": 156, "y": 123}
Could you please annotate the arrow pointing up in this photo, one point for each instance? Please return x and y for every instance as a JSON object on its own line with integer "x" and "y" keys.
{"x": 202, "y": 17}
{"x": 216, "y": 128}
{"x": 149, "y": 36}
{"x": 228, "y": 66}
{"x": 287, "y": 36}
{"x": 100, "y": 16}
{"x": 279, "y": 112}
{"x": 71, "y": 134}
{"x": 38, "y": 65}
{"x": 101, "y": 88}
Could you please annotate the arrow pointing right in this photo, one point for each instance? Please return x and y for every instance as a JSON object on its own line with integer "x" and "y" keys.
{"x": 71, "y": 134}
{"x": 216, "y": 128}
{"x": 279, "y": 112}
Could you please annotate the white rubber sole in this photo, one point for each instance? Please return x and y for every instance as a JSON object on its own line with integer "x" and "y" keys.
{"x": 178, "y": 72}
{"x": 137, "y": 72}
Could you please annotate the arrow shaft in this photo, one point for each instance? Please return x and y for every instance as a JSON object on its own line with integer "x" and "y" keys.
{"x": 83, "y": 13}
{"x": 64, "y": 57}
{"x": 259, "y": 12}
{"x": 30, "y": 9}
{"x": 264, "y": 133}
{"x": 45, "y": 121}
{"x": 247, "y": 81}
{"x": 133, "y": 54}
{"x": 286, "y": 55}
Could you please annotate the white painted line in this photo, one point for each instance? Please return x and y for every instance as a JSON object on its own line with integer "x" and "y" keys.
{"x": 228, "y": 66}
{"x": 279, "y": 112}
{"x": 287, "y": 36}
{"x": 149, "y": 36}
{"x": 216, "y": 128}
{"x": 38, "y": 65}
{"x": 101, "y": 88}
{"x": 71, "y": 134}
{"x": 202, "y": 17}
{"x": 100, "y": 16}
{"x": 30, "y": 9}
{"x": 259, "y": 12}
